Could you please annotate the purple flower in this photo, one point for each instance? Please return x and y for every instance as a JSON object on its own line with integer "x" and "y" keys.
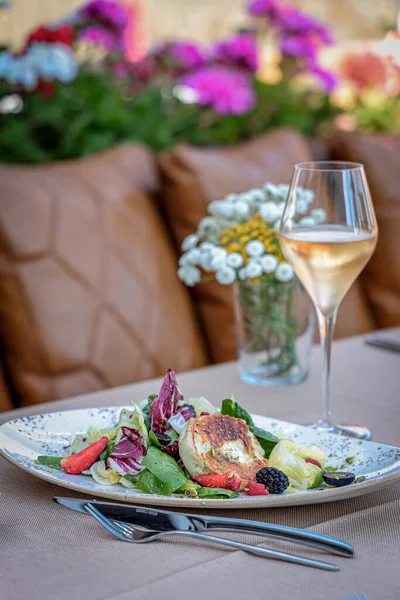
{"x": 289, "y": 20}
{"x": 299, "y": 46}
{"x": 327, "y": 80}
{"x": 262, "y": 8}
{"x": 241, "y": 49}
{"x": 99, "y": 36}
{"x": 188, "y": 54}
{"x": 228, "y": 91}
{"x": 108, "y": 12}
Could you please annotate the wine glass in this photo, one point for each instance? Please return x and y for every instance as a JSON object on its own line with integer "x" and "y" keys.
{"x": 328, "y": 232}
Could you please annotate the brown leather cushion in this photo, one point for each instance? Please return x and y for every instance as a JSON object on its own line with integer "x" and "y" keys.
{"x": 380, "y": 155}
{"x": 193, "y": 177}
{"x": 89, "y": 296}
{"x": 5, "y": 399}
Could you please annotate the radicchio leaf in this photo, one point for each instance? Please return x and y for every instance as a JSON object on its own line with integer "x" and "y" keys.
{"x": 172, "y": 450}
{"x": 166, "y": 404}
{"x": 128, "y": 453}
{"x": 183, "y": 414}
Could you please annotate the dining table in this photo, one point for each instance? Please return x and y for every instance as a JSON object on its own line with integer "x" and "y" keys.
{"x": 50, "y": 552}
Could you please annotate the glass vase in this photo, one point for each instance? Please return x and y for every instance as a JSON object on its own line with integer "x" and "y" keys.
{"x": 275, "y": 329}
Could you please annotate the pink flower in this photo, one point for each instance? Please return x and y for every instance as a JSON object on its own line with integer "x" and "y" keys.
{"x": 241, "y": 49}
{"x": 99, "y": 36}
{"x": 188, "y": 54}
{"x": 228, "y": 91}
{"x": 370, "y": 70}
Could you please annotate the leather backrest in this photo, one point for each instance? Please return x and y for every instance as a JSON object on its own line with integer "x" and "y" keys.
{"x": 380, "y": 155}
{"x": 89, "y": 296}
{"x": 193, "y": 177}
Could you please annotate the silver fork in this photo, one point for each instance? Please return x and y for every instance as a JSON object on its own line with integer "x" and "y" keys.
{"x": 127, "y": 533}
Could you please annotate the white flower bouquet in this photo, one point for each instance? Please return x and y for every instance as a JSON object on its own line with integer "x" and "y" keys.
{"x": 238, "y": 243}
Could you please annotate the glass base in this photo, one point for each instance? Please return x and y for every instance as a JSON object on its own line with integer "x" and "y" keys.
{"x": 353, "y": 431}
{"x": 259, "y": 375}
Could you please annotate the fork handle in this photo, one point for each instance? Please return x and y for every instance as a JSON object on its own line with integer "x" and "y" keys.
{"x": 290, "y": 534}
{"x": 264, "y": 552}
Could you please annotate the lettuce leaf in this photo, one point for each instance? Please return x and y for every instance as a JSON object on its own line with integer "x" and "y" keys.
{"x": 302, "y": 475}
{"x": 202, "y": 405}
{"x": 102, "y": 475}
{"x": 84, "y": 440}
{"x": 134, "y": 419}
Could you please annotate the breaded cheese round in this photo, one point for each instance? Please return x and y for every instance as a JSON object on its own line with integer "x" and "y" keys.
{"x": 219, "y": 444}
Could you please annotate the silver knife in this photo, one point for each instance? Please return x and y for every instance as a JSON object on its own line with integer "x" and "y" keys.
{"x": 164, "y": 520}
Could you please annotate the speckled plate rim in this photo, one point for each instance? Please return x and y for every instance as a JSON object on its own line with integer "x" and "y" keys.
{"x": 379, "y": 463}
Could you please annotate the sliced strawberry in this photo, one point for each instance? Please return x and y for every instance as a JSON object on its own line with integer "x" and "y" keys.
{"x": 227, "y": 481}
{"x": 76, "y": 463}
{"x": 313, "y": 462}
{"x": 255, "y": 489}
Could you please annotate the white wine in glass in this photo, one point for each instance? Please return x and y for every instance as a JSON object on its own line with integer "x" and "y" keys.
{"x": 328, "y": 247}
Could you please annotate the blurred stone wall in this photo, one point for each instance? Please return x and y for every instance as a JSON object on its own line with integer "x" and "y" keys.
{"x": 206, "y": 19}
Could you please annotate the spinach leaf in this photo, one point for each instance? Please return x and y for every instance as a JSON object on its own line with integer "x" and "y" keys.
{"x": 164, "y": 467}
{"x": 233, "y": 409}
{"x": 153, "y": 439}
{"x": 53, "y": 462}
{"x": 150, "y": 484}
{"x": 266, "y": 439}
{"x": 205, "y": 492}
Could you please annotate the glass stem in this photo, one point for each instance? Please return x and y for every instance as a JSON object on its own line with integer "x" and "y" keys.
{"x": 326, "y": 325}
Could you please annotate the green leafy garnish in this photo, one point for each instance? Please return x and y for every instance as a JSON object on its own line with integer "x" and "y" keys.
{"x": 53, "y": 462}
{"x": 205, "y": 492}
{"x": 189, "y": 489}
{"x": 350, "y": 460}
{"x": 153, "y": 439}
{"x": 330, "y": 469}
{"x": 233, "y": 409}
{"x": 164, "y": 467}
{"x": 317, "y": 481}
{"x": 266, "y": 439}
{"x": 212, "y": 451}
{"x": 360, "y": 479}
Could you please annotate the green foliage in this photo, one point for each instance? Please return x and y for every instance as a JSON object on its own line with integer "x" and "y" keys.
{"x": 266, "y": 439}
{"x": 53, "y": 462}
{"x": 93, "y": 113}
{"x": 164, "y": 467}
{"x": 267, "y": 313}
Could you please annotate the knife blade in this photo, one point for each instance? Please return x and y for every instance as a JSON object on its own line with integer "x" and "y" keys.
{"x": 164, "y": 520}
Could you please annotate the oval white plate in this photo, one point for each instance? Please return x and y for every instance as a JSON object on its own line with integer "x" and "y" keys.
{"x": 23, "y": 440}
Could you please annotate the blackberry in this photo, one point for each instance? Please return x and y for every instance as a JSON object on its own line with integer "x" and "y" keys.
{"x": 274, "y": 480}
